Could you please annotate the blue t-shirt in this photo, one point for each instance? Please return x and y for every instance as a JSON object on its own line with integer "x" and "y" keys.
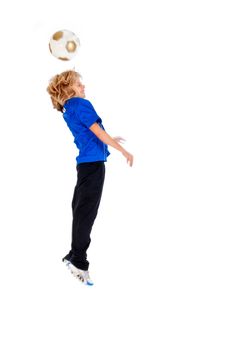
{"x": 79, "y": 115}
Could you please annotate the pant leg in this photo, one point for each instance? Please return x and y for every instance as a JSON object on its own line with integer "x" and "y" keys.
{"x": 85, "y": 204}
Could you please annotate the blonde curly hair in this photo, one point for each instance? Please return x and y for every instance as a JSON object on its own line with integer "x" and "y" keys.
{"x": 60, "y": 88}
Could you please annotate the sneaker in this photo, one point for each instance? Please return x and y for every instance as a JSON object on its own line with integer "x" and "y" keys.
{"x": 82, "y": 275}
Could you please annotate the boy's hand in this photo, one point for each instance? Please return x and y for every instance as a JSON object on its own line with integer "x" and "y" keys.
{"x": 119, "y": 139}
{"x": 128, "y": 156}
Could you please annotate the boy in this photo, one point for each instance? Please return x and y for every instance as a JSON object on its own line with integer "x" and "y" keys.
{"x": 68, "y": 96}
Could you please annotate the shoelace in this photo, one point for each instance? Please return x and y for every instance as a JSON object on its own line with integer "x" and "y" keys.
{"x": 81, "y": 276}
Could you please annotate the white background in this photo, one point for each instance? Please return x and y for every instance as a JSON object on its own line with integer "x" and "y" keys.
{"x": 159, "y": 74}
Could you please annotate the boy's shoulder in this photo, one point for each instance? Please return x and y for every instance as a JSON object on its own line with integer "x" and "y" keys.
{"x": 78, "y": 107}
{"x": 78, "y": 101}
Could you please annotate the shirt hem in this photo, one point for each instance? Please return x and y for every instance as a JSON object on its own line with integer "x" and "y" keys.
{"x": 87, "y": 160}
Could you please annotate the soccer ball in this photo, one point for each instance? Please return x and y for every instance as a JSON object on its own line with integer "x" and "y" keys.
{"x": 64, "y": 45}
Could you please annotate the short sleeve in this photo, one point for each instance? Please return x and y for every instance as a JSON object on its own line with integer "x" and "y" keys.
{"x": 87, "y": 114}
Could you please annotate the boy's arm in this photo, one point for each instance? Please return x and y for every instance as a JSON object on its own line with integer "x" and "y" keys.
{"x": 104, "y": 137}
{"x": 107, "y": 139}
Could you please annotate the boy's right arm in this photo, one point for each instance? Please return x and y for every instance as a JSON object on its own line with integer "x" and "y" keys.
{"x": 107, "y": 139}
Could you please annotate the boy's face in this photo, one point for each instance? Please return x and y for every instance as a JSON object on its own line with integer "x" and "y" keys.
{"x": 79, "y": 88}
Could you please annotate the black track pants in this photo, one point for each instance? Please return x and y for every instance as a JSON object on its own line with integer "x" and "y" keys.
{"x": 85, "y": 204}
